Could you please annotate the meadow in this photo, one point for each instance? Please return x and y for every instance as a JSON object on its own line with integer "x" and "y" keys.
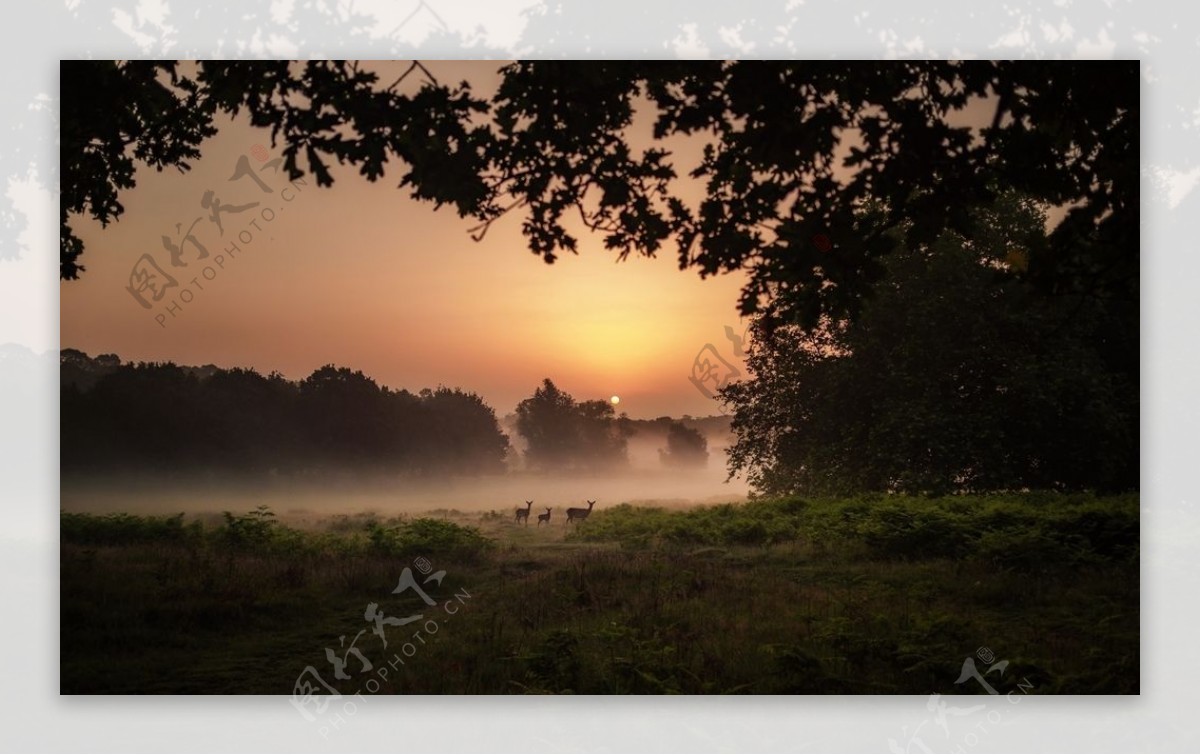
{"x": 868, "y": 595}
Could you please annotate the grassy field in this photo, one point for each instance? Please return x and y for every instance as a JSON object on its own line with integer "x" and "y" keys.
{"x": 868, "y": 595}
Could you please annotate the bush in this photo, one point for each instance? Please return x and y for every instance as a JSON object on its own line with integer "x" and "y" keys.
{"x": 553, "y": 666}
{"x": 1108, "y": 534}
{"x": 125, "y": 529}
{"x": 910, "y": 534}
{"x": 425, "y": 537}
{"x": 251, "y": 529}
{"x": 1017, "y": 531}
{"x": 1027, "y": 550}
{"x": 727, "y": 524}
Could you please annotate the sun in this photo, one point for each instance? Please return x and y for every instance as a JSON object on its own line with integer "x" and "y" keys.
{"x": 615, "y": 400}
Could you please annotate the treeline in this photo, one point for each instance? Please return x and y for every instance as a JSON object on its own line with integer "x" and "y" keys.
{"x": 166, "y": 418}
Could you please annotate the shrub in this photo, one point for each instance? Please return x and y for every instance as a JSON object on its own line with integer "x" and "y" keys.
{"x": 1027, "y": 550}
{"x": 554, "y": 665}
{"x": 125, "y": 529}
{"x": 250, "y": 529}
{"x": 424, "y": 537}
{"x": 911, "y": 534}
{"x": 1108, "y": 534}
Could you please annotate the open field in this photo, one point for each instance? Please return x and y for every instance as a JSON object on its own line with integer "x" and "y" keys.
{"x": 868, "y": 595}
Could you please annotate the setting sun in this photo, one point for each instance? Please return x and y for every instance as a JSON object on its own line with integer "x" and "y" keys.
{"x": 615, "y": 400}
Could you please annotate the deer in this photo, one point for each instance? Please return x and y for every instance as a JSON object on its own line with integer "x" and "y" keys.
{"x": 523, "y": 514}
{"x": 544, "y": 517}
{"x": 580, "y": 514}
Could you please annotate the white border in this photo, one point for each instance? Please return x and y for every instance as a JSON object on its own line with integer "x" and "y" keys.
{"x": 1163, "y": 36}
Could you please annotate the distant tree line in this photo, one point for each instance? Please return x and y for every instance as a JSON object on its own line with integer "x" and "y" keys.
{"x": 164, "y": 418}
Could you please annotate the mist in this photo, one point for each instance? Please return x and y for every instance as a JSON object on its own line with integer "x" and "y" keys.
{"x": 164, "y": 439}
{"x": 644, "y": 482}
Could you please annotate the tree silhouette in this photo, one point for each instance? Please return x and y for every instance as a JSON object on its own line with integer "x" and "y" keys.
{"x": 686, "y": 447}
{"x": 118, "y": 113}
{"x": 126, "y": 417}
{"x": 794, "y": 151}
{"x": 954, "y": 377}
{"x": 561, "y": 433}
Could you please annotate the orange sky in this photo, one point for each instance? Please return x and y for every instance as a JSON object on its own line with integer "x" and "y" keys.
{"x": 361, "y": 276}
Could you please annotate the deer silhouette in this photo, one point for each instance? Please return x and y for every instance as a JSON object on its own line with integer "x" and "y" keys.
{"x": 523, "y": 514}
{"x": 544, "y": 517}
{"x": 581, "y": 514}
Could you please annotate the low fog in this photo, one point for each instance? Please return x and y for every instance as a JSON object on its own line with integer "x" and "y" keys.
{"x": 163, "y": 439}
{"x": 646, "y": 481}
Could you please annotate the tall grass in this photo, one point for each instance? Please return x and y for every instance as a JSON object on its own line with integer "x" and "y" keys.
{"x": 1021, "y": 532}
{"x": 875, "y": 594}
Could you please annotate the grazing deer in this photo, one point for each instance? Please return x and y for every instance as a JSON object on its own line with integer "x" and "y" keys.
{"x": 581, "y": 514}
{"x": 523, "y": 514}
{"x": 544, "y": 517}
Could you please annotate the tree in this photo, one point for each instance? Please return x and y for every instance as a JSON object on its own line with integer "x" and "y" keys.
{"x": 561, "y": 433}
{"x": 686, "y": 447}
{"x": 546, "y": 421}
{"x": 346, "y": 415}
{"x": 956, "y": 376}
{"x": 794, "y": 151}
{"x": 461, "y": 433}
{"x": 151, "y": 416}
{"x": 117, "y": 114}
{"x": 253, "y": 422}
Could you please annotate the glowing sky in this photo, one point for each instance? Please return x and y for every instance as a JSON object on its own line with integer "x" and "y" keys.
{"x": 361, "y": 276}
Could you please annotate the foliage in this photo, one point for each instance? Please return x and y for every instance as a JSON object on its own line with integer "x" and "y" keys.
{"x": 562, "y": 433}
{"x": 1010, "y": 531}
{"x": 954, "y": 377}
{"x": 725, "y": 524}
{"x": 254, "y": 528}
{"x": 686, "y": 447}
{"x": 117, "y": 114}
{"x": 125, "y": 529}
{"x": 552, "y": 667}
{"x": 794, "y": 150}
{"x": 237, "y": 420}
{"x": 429, "y": 537}
{"x": 1049, "y": 580}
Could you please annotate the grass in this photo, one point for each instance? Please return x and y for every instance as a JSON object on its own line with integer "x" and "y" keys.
{"x": 868, "y": 595}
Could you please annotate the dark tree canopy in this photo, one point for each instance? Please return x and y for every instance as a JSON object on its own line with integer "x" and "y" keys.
{"x": 117, "y": 114}
{"x": 953, "y": 378}
{"x": 795, "y": 151}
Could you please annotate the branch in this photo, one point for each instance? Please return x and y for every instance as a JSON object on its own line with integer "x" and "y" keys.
{"x": 415, "y": 65}
{"x": 477, "y": 232}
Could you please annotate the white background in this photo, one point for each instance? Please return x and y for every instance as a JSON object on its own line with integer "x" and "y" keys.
{"x": 36, "y": 34}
